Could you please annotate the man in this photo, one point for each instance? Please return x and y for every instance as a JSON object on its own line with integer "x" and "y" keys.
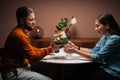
{"x": 18, "y": 51}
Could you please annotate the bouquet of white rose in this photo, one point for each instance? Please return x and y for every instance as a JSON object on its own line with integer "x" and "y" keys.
{"x": 60, "y": 35}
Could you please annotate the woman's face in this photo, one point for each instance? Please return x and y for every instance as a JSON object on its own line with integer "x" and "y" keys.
{"x": 100, "y": 28}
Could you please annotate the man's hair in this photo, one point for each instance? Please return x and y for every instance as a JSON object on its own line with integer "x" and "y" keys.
{"x": 23, "y": 12}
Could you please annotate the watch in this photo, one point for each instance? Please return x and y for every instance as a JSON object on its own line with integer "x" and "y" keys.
{"x": 78, "y": 48}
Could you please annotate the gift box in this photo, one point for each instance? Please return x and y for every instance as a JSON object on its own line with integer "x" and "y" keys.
{"x": 60, "y": 37}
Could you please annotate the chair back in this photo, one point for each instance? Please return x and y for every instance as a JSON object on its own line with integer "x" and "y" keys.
{"x": 3, "y": 74}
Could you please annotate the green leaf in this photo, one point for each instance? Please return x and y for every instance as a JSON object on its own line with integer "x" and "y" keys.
{"x": 61, "y": 24}
{"x": 58, "y": 27}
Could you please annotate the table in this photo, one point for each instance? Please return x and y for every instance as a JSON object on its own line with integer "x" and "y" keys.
{"x": 61, "y": 66}
{"x": 64, "y": 58}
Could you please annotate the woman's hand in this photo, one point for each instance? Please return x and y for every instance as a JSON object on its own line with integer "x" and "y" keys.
{"x": 72, "y": 44}
{"x": 69, "y": 48}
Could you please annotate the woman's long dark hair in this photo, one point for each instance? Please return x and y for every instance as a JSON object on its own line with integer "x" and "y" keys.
{"x": 107, "y": 18}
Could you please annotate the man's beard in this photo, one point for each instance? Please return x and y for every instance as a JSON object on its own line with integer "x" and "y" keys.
{"x": 28, "y": 27}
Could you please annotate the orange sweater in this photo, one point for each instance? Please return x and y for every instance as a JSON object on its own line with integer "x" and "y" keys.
{"x": 18, "y": 50}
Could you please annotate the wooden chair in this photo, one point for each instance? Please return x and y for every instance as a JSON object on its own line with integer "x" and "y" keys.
{"x": 3, "y": 74}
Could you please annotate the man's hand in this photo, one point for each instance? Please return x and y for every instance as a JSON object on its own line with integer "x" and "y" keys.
{"x": 54, "y": 46}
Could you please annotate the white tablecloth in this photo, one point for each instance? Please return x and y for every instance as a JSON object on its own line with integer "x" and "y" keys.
{"x": 64, "y": 58}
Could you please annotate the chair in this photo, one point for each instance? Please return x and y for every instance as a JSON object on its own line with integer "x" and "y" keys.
{"x": 3, "y": 74}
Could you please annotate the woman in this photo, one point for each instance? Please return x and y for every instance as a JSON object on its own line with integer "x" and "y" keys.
{"x": 106, "y": 51}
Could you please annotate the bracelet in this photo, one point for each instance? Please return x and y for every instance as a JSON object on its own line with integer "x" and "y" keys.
{"x": 78, "y": 48}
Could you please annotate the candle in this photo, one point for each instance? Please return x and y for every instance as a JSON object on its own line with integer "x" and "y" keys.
{"x": 38, "y": 30}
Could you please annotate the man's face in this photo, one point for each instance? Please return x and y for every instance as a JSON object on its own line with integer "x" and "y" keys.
{"x": 29, "y": 22}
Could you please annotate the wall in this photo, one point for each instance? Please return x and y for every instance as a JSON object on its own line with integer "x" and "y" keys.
{"x": 49, "y": 12}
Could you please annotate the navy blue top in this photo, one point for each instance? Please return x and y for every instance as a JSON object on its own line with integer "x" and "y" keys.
{"x": 107, "y": 50}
